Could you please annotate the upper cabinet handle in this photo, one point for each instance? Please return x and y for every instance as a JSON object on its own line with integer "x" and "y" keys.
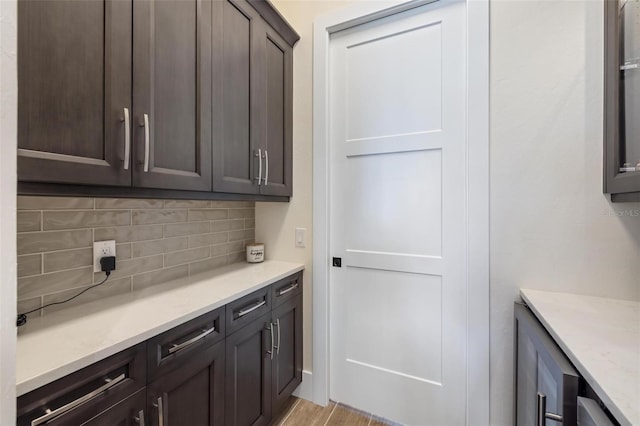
{"x": 146, "y": 142}
{"x": 266, "y": 172}
{"x": 127, "y": 138}
{"x": 259, "y": 155}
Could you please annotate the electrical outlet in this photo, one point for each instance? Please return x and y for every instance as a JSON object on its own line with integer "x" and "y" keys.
{"x": 100, "y": 250}
{"x": 301, "y": 237}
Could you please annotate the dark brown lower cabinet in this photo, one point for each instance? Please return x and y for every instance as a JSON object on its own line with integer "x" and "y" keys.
{"x": 236, "y": 365}
{"x": 192, "y": 394}
{"x": 248, "y": 375}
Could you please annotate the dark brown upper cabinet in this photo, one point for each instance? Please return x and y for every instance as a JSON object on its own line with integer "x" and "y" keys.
{"x": 155, "y": 97}
{"x": 252, "y": 97}
{"x": 622, "y": 100}
{"x": 74, "y": 89}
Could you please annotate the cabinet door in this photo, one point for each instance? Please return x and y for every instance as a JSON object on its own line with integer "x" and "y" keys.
{"x": 276, "y": 111}
{"x": 74, "y": 83}
{"x": 287, "y": 361}
{"x": 236, "y": 108}
{"x": 193, "y": 394}
{"x": 248, "y": 374}
{"x": 128, "y": 412}
{"x": 542, "y": 371}
{"x": 172, "y": 94}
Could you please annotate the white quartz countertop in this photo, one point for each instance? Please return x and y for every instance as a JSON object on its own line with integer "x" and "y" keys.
{"x": 601, "y": 337}
{"x": 57, "y": 344}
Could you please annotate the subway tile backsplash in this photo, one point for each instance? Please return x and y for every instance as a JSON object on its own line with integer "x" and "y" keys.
{"x": 156, "y": 241}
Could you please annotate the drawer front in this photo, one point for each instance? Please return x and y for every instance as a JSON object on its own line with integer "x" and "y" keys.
{"x": 286, "y": 289}
{"x": 590, "y": 413}
{"x": 243, "y": 311}
{"x": 167, "y": 351}
{"x": 82, "y": 395}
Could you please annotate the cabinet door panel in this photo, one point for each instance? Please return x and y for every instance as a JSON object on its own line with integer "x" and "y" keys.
{"x": 193, "y": 394}
{"x": 248, "y": 374}
{"x": 74, "y": 81}
{"x": 234, "y": 74}
{"x": 125, "y": 413}
{"x": 172, "y": 86}
{"x": 287, "y": 365}
{"x": 278, "y": 114}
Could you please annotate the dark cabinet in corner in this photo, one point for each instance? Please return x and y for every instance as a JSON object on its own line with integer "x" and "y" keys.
{"x": 139, "y": 97}
{"x": 252, "y": 112}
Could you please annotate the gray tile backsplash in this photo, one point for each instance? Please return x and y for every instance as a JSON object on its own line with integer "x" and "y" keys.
{"x": 156, "y": 241}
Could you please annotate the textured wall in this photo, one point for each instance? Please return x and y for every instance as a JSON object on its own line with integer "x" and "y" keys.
{"x": 552, "y": 228}
{"x": 8, "y": 139}
{"x": 156, "y": 241}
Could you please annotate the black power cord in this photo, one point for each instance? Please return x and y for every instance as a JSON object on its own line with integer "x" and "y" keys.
{"x": 108, "y": 264}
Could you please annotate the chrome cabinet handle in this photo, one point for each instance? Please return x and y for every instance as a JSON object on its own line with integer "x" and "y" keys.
{"x": 278, "y": 325}
{"x": 270, "y": 328}
{"x": 50, "y": 415}
{"x": 288, "y": 289}
{"x": 127, "y": 138}
{"x": 176, "y": 347}
{"x": 259, "y": 155}
{"x": 541, "y": 412}
{"x": 266, "y": 172}
{"x": 146, "y": 142}
{"x": 251, "y": 309}
{"x": 140, "y": 418}
{"x": 160, "y": 408}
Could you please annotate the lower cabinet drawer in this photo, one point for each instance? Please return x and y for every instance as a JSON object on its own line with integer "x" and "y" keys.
{"x": 83, "y": 395}
{"x": 247, "y": 309}
{"x": 590, "y": 413}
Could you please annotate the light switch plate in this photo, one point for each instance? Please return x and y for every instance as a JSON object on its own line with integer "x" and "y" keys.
{"x": 301, "y": 236}
{"x": 100, "y": 250}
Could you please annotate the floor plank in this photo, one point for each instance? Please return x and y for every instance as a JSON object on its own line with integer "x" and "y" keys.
{"x": 308, "y": 413}
{"x": 346, "y": 416}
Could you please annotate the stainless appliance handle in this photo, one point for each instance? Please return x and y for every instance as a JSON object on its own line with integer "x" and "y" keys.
{"x": 146, "y": 142}
{"x": 266, "y": 172}
{"x": 160, "y": 408}
{"x": 288, "y": 289}
{"x": 140, "y": 418}
{"x": 259, "y": 155}
{"x": 127, "y": 138}
{"x": 541, "y": 411}
{"x": 251, "y": 309}
{"x": 278, "y": 325}
{"x": 50, "y": 415}
{"x": 176, "y": 347}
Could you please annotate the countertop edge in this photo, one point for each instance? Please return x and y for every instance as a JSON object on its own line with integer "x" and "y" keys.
{"x": 36, "y": 381}
{"x": 600, "y": 392}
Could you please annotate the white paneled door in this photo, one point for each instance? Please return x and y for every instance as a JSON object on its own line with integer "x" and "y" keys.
{"x": 397, "y": 215}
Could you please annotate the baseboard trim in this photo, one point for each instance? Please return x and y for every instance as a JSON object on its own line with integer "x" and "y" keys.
{"x": 305, "y": 390}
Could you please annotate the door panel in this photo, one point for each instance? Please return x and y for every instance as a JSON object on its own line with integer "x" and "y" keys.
{"x": 278, "y": 116}
{"x": 287, "y": 364}
{"x": 74, "y": 82}
{"x": 234, "y": 78}
{"x": 397, "y": 126}
{"x": 125, "y": 413}
{"x": 172, "y": 86}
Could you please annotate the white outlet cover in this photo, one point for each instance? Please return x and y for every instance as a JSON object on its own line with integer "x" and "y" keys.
{"x": 100, "y": 250}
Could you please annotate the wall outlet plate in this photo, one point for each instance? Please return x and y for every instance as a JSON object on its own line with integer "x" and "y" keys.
{"x": 301, "y": 237}
{"x": 100, "y": 250}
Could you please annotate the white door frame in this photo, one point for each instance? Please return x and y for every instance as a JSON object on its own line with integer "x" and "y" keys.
{"x": 477, "y": 214}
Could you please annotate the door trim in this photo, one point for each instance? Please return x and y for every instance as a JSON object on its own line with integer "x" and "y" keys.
{"x": 477, "y": 185}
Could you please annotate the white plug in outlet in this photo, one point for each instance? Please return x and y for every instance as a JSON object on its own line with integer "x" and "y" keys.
{"x": 100, "y": 250}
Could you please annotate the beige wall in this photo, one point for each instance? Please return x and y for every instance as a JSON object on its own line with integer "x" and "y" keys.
{"x": 551, "y": 226}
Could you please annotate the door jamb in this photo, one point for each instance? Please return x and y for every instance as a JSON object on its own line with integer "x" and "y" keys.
{"x": 477, "y": 208}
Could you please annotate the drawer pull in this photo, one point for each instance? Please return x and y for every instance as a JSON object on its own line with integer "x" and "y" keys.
{"x": 251, "y": 309}
{"x": 50, "y": 415}
{"x": 542, "y": 414}
{"x": 288, "y": 289}
{"x": 176, "y": 347}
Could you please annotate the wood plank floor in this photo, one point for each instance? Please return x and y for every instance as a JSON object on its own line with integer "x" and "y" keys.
{"x": 300, "y": 412}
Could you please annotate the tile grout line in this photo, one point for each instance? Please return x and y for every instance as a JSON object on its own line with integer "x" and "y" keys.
{"x": 332, "y": 411}
{"x": 290, "y": 412}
